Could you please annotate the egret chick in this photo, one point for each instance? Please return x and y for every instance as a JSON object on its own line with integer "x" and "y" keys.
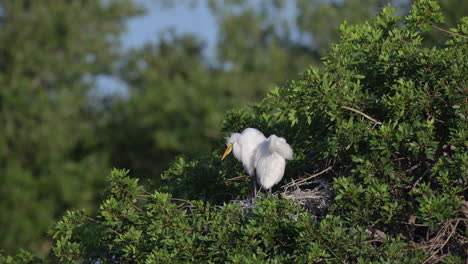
{"x": 270, "y": 160}
{"x": 244, "y": 145}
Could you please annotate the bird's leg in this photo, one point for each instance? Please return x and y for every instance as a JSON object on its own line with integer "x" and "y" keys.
{"x": 253, "y": 191}
{"x": 269, "y": 191}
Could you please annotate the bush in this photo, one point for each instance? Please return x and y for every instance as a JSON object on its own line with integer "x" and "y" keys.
{"x": 132, "y": 227}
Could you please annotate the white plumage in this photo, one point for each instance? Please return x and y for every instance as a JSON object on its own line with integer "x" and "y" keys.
{"x": 270, "y": 160}
{"x": 265, "y": 157}
{"x": 243, "y": 145}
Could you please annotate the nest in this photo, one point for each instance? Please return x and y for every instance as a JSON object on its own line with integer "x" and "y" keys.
{"x": 314, "y": 197}
{"x": 315, "y": 200}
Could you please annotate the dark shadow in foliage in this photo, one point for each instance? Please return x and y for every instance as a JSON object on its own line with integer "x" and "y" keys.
{"x": 206, "y": 178}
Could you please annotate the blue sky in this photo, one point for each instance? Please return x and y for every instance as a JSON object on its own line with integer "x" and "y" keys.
{"x": 181, "y": 18}
{"x": 143, "y": 29}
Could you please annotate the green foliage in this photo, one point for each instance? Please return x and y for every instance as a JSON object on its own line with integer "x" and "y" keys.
{"x": 23, "y": 257}
{"x": 175, "y": 106}
{"x": 387, "y": 113}
{"x": 49, "y": 54}
{"x": 424, "y": 14}
{"x": 177, "y": 94}
{"x": 132, "y": 227}
{"x": 179, "y": 87}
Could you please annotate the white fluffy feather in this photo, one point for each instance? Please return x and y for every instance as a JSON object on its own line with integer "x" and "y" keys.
{"x": 244, "y": 146}
{"x": 270, "y": 160}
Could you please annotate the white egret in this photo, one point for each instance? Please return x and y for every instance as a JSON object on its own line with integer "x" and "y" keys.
{"x": 270, "y": 160}
{"x": 266, "y": 157}
{"x": 244, "y": 145}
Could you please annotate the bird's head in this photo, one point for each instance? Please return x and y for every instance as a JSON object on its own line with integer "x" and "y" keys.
{"x": 232, "y": 144}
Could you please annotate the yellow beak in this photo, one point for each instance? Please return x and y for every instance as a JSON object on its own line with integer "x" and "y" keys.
{"x": 228, "y": 150}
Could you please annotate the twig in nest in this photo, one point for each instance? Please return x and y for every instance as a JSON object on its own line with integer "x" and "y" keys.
{"x": 306, "y": 179}
{"x": 293, "y": 183}
{"x": 436, "y": 244}
{"x": 450, "y": 32}
{"x": 361, "y": 113}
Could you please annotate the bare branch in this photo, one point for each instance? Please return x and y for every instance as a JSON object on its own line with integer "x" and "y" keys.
{"x": 419, "y": 179}
{"x": 361, "y": 113}
{"x": 306, "y": 179}
{"x": 238, "y": 178}
{"x": 437, "y": 245}
{"x": 182, "y": 200}
{"x": 138, "y": 208}
{"x": 95, "y": 221}
{"x": 448, "y": 31}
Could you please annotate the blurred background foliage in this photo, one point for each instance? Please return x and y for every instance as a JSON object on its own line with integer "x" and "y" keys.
{"x": 59, "y": 137}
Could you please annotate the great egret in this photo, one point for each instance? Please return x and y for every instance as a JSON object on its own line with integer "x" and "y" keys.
{"x": 270, "y": 160}
{"x": 244, "y": 146}
{"x": 266, "y": 157}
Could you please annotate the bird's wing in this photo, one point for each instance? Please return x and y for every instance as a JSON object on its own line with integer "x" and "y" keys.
{"x": 250, "y": 140}
{"x": 280, "y": 146}
{"x": 261, "y": 151}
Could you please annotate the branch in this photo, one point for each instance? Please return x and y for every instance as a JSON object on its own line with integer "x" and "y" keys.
{"x": 361, "y": 113}
{"x": 94, "y": 220}
{"x": 419, "y": 179}
{"x": 448, "y": 31}
{"x": 237, "y": 178}
{"x": 138, "y": 208}
{"x": 306, "y": 179}
{"x": 436, "y": 246}
{"x": 443, "y": 244}
{"x": 182, "y": 200}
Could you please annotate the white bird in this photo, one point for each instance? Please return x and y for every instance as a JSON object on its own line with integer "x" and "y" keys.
{"x": 270, "y": 160}
{"x": 266, "y": 157}
{"x": 244, "y": 146}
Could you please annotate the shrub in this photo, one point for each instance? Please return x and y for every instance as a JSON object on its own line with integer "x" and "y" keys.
{"x": 132, "y": 227}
